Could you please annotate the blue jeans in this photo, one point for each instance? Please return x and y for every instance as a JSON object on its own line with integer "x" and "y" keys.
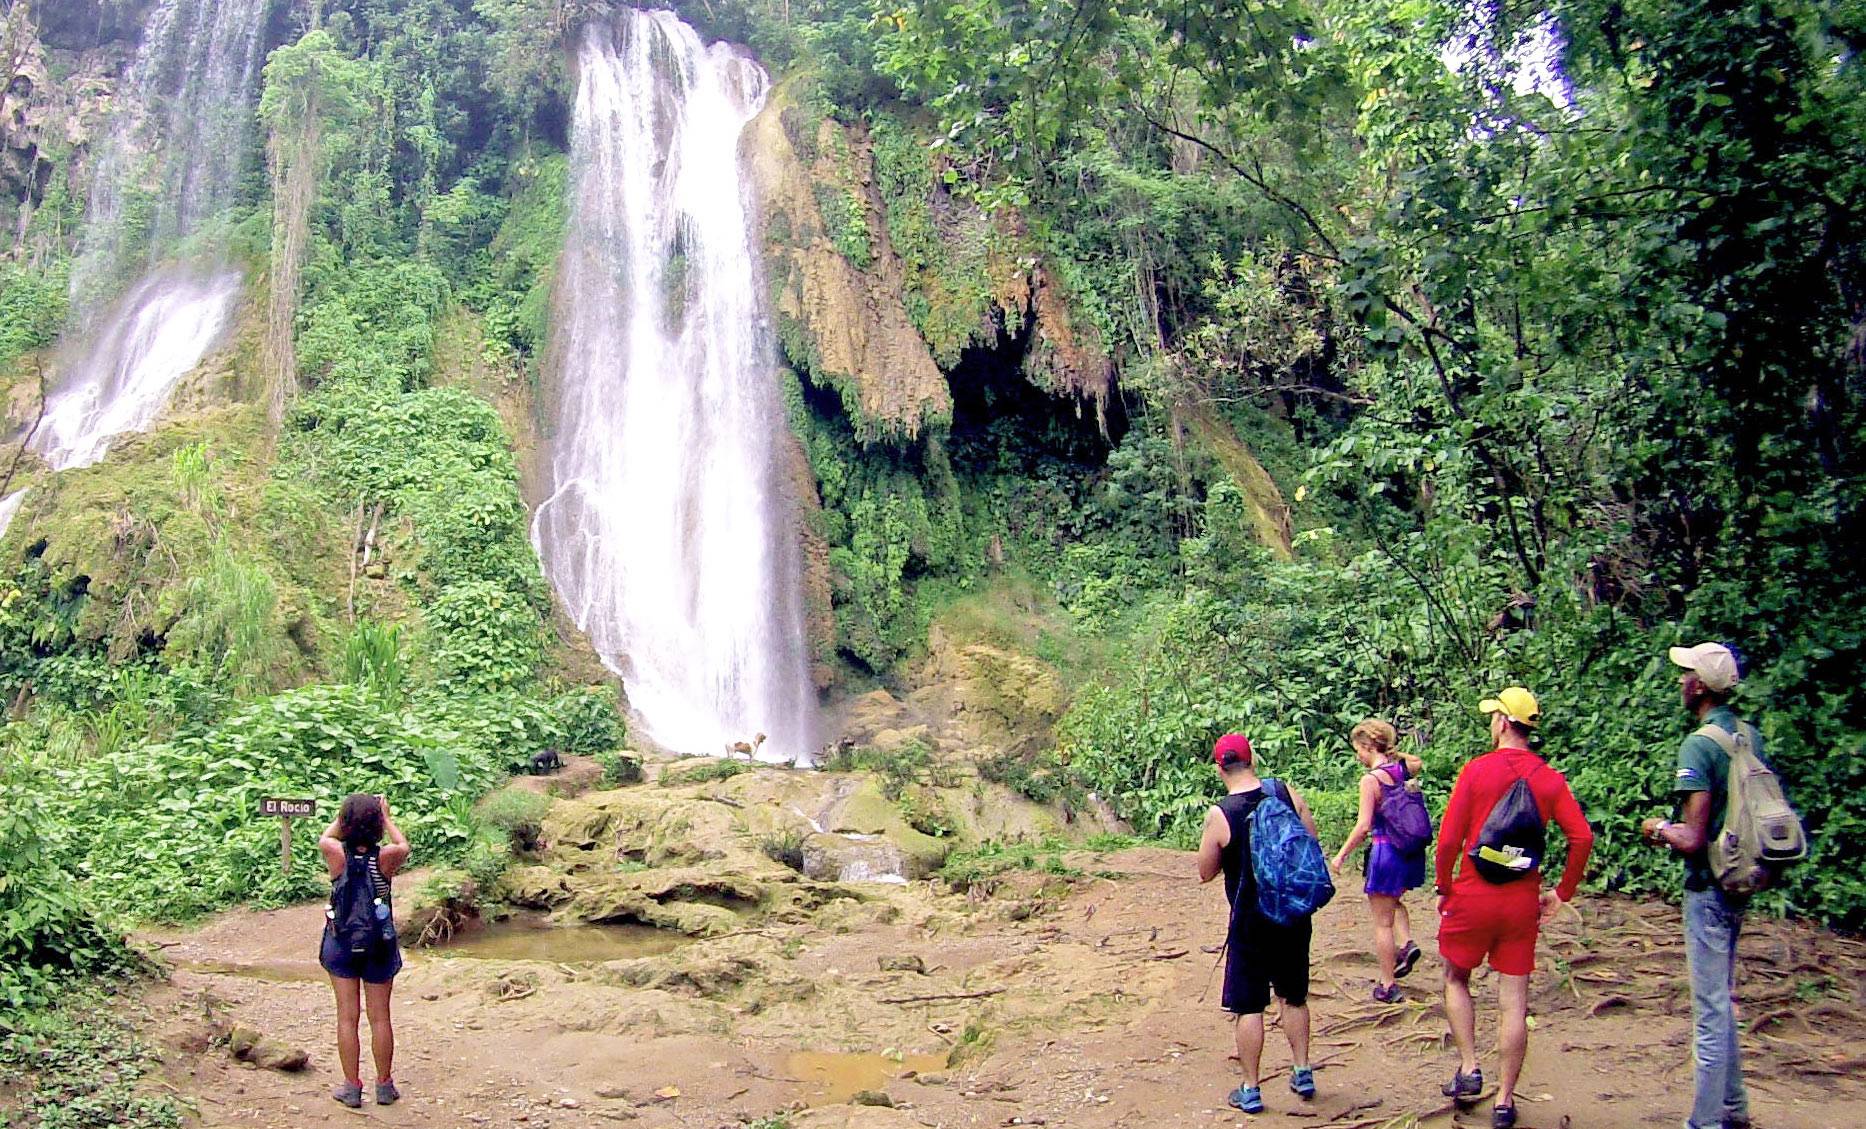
{"x": 1712, "y": 922}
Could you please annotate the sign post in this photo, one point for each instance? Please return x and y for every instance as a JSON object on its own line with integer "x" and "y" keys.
{"x": 286, "y": 810}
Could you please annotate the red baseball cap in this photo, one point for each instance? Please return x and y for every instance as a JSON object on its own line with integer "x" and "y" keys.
{"x": 1232, "y": 748}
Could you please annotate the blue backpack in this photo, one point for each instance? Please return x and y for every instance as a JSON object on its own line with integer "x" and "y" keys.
{"x": 1292, "y": 876}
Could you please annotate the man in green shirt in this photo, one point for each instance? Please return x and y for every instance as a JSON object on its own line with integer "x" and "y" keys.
{"x": 1713, "y": 918}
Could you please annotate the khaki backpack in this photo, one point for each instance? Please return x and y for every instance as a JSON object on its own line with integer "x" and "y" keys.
{"x": 1761, "y": 833}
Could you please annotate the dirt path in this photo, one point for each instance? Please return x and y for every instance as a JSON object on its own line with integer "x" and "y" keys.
{"x": 1066, "y": 1002}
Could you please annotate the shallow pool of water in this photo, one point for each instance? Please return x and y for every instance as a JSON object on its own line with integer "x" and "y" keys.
{"x": 833, "y": 1077}
{"x": 535, "y": 938}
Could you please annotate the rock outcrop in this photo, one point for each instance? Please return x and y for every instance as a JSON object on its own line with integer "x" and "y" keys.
{"x": 847, "y": 325}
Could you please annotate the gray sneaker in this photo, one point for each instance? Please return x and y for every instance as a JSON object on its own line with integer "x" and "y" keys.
{"x": 349, "y": 1094}
{"x": 386, "y": 1093}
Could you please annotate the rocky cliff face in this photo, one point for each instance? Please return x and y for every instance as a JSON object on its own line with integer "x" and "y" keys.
{"x": 842, "y": 289}
{"x": 64, "y": 62}
{"x": 917, "y": 325}
{"x": 845, "y": 324}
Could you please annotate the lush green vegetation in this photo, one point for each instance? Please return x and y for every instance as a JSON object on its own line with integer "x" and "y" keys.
{"x": 342, "y": 600}
{"x": 80, "y": 1065}
{"x": 1553, "y": 349}
{"x": 1428, "y": 377}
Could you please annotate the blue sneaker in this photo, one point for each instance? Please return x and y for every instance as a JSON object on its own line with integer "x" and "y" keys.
{"x": 1302, "y": 1081}
{"x": 1247, "y": 1098}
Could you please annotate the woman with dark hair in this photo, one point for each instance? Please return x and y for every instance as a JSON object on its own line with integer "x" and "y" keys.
{"x": 361, "y": 865}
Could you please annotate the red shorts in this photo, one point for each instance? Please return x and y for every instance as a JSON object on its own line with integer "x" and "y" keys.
{"x": 1475, "y": 926}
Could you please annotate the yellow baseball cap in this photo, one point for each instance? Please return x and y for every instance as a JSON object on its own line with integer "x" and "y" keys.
{"x": 1515, "y": 703}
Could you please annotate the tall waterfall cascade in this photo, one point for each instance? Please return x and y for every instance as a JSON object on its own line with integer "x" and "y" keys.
{"x": 183, "y": 130}
{"x": 665, "y": 530}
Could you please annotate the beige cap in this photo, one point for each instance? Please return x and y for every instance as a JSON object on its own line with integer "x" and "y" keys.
{"x": 1713, "y": 663}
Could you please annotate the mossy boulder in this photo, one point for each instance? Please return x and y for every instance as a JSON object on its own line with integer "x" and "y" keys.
{"x": 641, "y": 828}
{"x": 869, "y": 812}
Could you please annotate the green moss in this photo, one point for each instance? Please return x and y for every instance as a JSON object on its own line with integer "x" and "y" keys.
{"x": 845, "y": 220}
{"x": 514, "y": 291}
{"x": 32, "y": 308}
{"x": 869, "y": 812}
{"x": 145, "y": 552}
{"x": 948, "y": 292}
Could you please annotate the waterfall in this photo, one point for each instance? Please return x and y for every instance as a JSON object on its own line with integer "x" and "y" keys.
{"x": 665, "y": 529}
{"x": 152, "y": 338}
{"x": 9, "y": 507}
{"x": 165, "y": 174}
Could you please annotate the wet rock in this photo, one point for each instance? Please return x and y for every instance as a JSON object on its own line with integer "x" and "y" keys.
{"x": 535, "y": 887}
{"x": 872, "y": 1098}
{"x": 263, "y": 1051}
{"x": 873, "y": 713}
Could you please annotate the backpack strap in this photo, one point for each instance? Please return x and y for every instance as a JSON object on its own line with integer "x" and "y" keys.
{"x": 1396, "y": 772}
{"x": 1725, "y": 739}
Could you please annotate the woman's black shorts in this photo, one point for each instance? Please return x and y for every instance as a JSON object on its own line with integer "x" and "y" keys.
{"x": 377, "y": 966}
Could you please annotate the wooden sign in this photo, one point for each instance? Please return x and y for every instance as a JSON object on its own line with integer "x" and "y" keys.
{"x": 286, "y": 810}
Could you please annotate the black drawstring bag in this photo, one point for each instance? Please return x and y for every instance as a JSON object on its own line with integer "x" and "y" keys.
{"x": 1513, "y": 839}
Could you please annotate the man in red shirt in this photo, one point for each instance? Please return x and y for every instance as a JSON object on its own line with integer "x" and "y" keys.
{"x": 1479, "y": 918}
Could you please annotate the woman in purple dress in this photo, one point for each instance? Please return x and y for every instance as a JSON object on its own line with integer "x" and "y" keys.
{"x": 1390, "y": 872}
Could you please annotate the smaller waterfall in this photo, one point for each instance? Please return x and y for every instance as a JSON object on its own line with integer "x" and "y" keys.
{"x": 183, "y": 131}
{"x": 153, "y": 337}
{"x": 9, "y": 507}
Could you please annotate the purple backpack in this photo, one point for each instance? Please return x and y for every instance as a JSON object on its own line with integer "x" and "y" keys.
{"x": 1401, "y": 817}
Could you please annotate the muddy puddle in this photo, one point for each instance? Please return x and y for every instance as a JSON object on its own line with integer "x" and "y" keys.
{"x": 833, "y": 1077}
{"x": 274, "y": 972}
{"x": 529, "y": 937}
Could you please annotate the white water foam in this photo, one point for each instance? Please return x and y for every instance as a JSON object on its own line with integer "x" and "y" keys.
{"x": 9, "y": 509}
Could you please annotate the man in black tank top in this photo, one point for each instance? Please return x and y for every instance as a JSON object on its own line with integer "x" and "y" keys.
{"x": 1260, "y": 955}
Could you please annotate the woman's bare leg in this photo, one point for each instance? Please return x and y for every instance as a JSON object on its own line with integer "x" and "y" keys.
{"x": 381, "y": 1029}
{"x": 1383, "y": 907}
{"x": 349, "y": 1010}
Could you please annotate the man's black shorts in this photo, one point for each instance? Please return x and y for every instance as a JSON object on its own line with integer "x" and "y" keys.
{"x": 1262, "y": 956}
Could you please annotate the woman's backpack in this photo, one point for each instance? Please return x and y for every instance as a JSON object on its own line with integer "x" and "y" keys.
{"x": 1404, "y": 820}
{"x": 359, "y": 919}
{"x": 1761, "y": 833}
{"x": 1514, "y": 838}
{"x": 1292, "y": 876}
